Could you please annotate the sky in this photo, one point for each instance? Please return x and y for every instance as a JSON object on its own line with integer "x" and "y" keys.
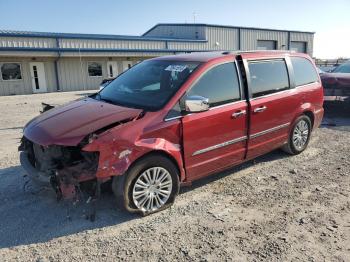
{"x": 329, "y": 19}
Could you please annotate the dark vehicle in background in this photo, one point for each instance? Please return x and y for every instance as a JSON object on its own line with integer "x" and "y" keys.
{"x": 336, "y": 84}
{"x": 106, "y": 82}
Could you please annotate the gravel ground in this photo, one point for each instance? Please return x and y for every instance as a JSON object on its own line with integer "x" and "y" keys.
{"x": 275, "y": 208}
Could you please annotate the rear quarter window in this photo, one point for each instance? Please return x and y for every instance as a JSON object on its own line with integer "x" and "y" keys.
{"x": 268, "y": 77}
{"x": 304, "y": 71}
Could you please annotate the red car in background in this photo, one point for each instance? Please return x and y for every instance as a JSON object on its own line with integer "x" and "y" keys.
{"x": 336, "y": 84}
{"x": 171, "y": 120}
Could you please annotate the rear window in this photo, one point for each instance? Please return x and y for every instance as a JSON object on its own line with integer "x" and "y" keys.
{"x": 304, "y": 71}
{"x": 268, "y": 77}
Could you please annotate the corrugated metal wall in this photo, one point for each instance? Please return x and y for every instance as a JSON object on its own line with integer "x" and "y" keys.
{"x": 111, "y": 44}
{"x": 250, "y": 37}
{"x": 27, "y": 42}
{"x": 220, "y": 38}
{"x": 73, "y": 72}
{"x": 178, "y": 31}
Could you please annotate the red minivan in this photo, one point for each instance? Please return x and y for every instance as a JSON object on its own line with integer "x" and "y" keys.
{"x": 171, "y": 120}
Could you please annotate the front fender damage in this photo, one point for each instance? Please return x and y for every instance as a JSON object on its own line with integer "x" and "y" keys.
{"x": 115, "y": 158}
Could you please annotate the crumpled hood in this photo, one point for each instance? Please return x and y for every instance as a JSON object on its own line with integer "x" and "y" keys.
{"x": 69, "y": 124}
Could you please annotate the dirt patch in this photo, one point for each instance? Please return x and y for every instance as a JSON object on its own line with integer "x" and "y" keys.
{"x": 275, "y": 208}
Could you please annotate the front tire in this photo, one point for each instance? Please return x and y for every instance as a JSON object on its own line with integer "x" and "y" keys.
{"x": 149, "y": 186}
{"x": 299, "y": 136}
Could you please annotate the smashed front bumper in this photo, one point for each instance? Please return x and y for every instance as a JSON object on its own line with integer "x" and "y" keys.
{"x": 38, "y": 177}
{"x": 64, "y": 168}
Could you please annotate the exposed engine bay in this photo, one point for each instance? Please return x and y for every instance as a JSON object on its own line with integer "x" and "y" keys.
{"x": 64, "y": 166}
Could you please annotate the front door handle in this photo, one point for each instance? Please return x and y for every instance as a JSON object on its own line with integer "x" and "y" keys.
{"x": 260, "y": 109}
{"x": 238, "y": 113}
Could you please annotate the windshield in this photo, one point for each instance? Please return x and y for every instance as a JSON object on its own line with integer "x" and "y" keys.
{"x": 344, "y": 68}
{"x": 148, "y": 85}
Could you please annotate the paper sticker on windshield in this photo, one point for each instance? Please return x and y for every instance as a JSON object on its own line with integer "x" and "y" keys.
{"x": 176, "y": 68}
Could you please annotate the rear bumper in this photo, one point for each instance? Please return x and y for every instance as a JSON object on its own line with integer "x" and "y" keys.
{"x": 37, "y": 176}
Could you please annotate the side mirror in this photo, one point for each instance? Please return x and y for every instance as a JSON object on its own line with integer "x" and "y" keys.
{"x": 196, "y": 104}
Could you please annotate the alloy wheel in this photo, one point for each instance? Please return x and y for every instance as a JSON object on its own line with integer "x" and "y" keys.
{"x": 301, "y": 134}
{"x": 152, "y": 189}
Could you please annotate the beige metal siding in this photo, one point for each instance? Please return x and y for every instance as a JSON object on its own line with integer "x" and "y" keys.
{"x": 178, "y": 31}
{"x": 217, "y": 39}
{"x": 27, "y": 42}
{"x": 114, "y": 54}
{"x": 304, "y": 37}
{"x": 110, "y": 44}
{"x": 73, "y": 73}
{"x": 227, "y": 38}
{"x": 50, "y": 75}
{"x": 250, "y": 37}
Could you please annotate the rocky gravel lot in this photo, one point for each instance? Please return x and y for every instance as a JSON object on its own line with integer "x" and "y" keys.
{"x": 275, "y": 208}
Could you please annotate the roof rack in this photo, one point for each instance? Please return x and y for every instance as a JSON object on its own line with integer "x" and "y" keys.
{"x": 269, "y": 51}
{"x": 256, "y": 51}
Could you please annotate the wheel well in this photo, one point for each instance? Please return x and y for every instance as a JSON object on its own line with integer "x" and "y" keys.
{"x": 311, "y": 116}
{"x": 161, "y": 153}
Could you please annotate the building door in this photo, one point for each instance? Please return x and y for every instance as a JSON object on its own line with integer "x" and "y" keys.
{"x": 298, "y": 46}
{"x": 126, "y": 65}
{"x": 112, "y": 69}
{"x": 267, "y": 45}
{"x": 37, "y": 73}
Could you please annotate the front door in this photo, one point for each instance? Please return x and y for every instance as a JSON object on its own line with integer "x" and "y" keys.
{"x": 273, "y": 105}
{"x": 215, "y": 139}
{"x": 112, "y": 69}
{"x": 37, "y": 72}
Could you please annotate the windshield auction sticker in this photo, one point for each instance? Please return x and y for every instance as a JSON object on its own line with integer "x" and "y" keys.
{"x": 176, "y": 68}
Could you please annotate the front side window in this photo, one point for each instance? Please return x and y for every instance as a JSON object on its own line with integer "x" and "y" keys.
{"x": 344, "y": 68}
{"x": 220, "y": 84}
{"x": 95, "y": 69}
{"x": 148, "y": 85}
{"x": 268, "y": 77}
{"x": 11, "y": 71}
{"x": 304, "y": 72}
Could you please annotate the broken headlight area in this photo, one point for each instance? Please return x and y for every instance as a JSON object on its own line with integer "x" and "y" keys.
{"x": 64, "y": 166}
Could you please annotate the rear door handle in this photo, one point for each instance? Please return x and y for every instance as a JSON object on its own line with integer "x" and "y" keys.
{"x": 238, "y": 113}
{"x": 260, "y": 109}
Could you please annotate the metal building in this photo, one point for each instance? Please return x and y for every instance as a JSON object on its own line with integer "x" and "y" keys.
{"x": 34, "y": 62}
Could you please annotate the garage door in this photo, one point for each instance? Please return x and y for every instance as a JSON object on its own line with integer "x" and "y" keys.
{"x": 298, "y": 46}
{"x": 267, "y": 45}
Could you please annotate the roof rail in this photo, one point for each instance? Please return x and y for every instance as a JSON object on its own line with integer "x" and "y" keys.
{"x": 269, "y": 51}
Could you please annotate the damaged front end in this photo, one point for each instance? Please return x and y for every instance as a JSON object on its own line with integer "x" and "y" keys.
{"x": 64, "y": 167}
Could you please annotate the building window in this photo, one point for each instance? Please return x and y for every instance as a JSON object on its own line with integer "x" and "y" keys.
{"x": 11, "y": 71}
{"x": 267, "y": 45}
{"x": 95, "y": 69}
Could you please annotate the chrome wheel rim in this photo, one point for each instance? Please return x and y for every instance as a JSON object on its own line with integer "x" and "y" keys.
{"x": 152, "y": 189}
{"x": 300, "y": 134}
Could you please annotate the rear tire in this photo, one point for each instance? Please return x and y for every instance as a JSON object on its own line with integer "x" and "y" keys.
{"x": 149, "y": 186}
{"x": 299, "y": 136}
